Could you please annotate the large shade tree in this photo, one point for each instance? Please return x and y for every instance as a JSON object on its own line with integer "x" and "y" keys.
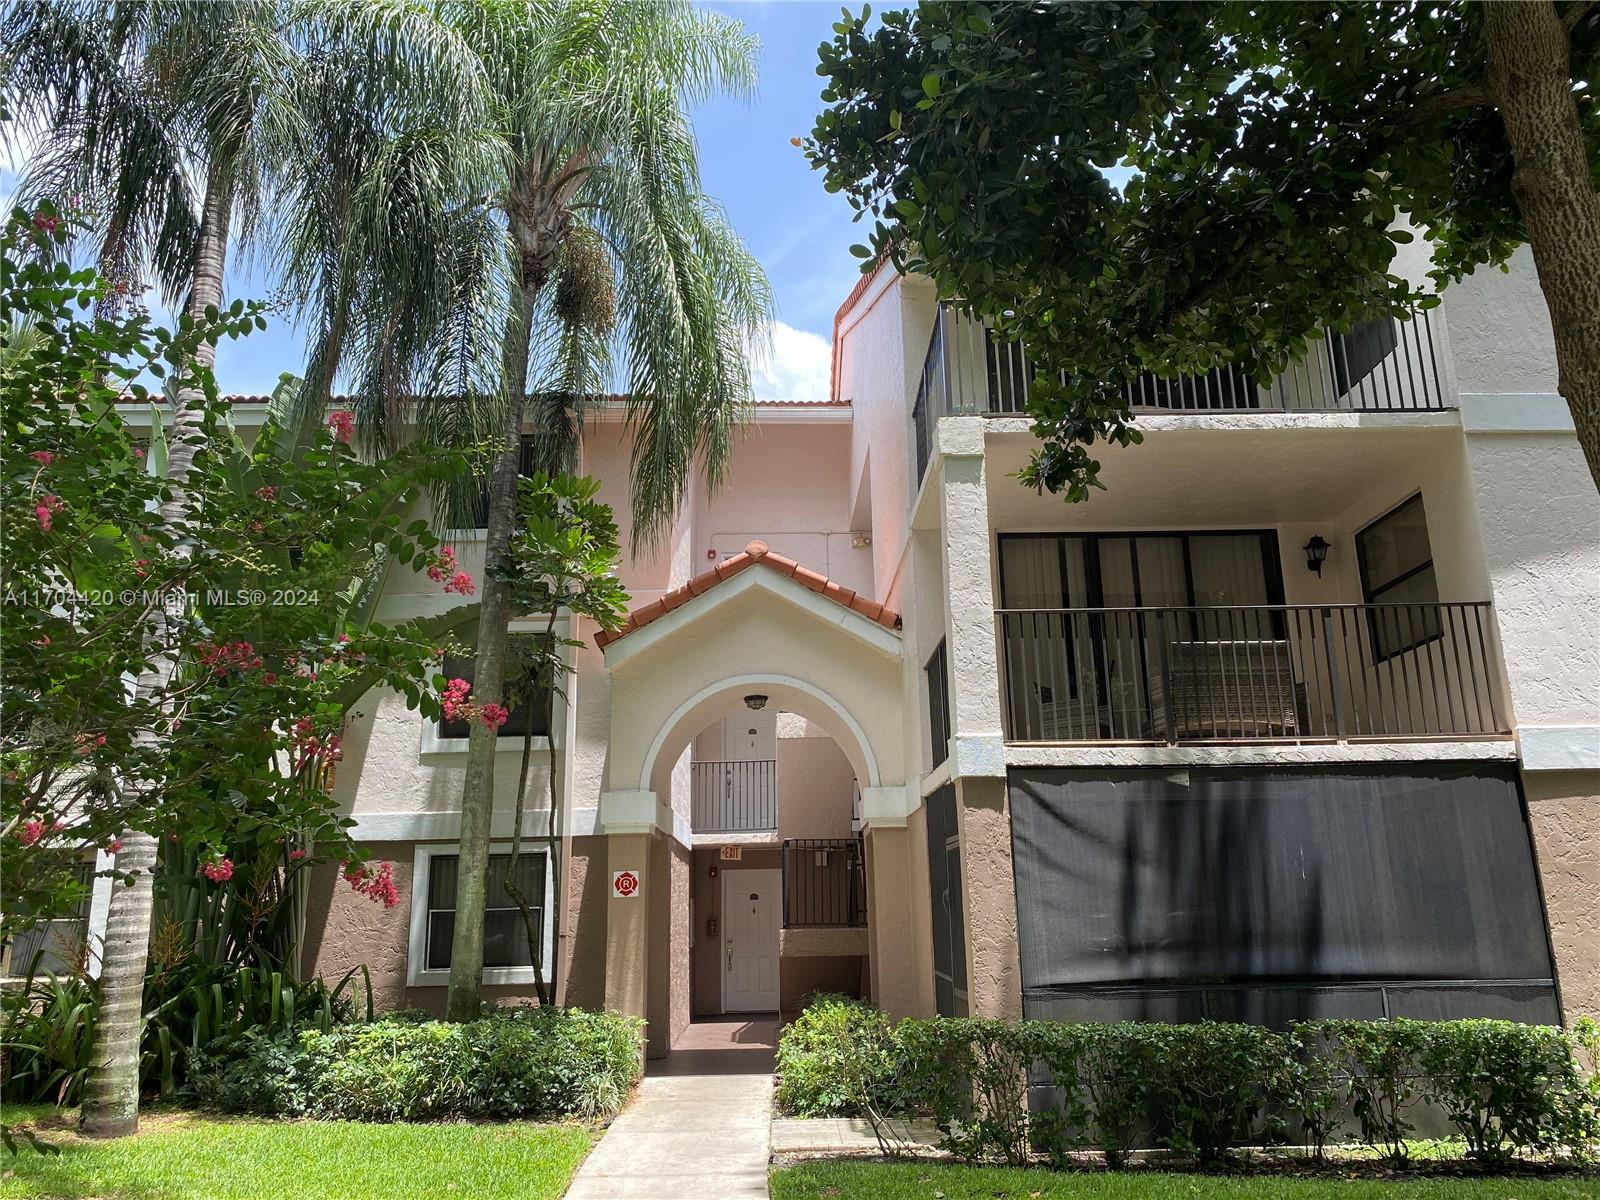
{"x": 1276, "y": 154}
{"x": 618, "y": 270}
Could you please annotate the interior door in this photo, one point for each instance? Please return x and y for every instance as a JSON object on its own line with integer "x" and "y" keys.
{"x": 750, "y": 915}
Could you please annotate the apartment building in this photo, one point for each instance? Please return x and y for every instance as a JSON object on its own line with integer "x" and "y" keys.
{"x": 1300, "y": 716}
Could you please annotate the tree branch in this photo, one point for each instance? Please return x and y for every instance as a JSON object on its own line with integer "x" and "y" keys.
{"x": 1575, "y": 12}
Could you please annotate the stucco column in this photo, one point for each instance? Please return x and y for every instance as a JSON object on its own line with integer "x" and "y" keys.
{"x": 628, "y": 923}
{"x": 976, "y": 744}
{"x": 888, "y": 850}
{"x": 994, "y": 971}
{"x": 1564, "y": 816}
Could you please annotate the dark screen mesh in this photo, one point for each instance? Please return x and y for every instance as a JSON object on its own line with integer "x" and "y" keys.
{"x": 1244, "y": 885}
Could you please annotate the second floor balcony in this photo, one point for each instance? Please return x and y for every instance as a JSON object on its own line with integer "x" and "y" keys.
{"x": 1383, "y": 365}
{"x": 1283, "y": 672}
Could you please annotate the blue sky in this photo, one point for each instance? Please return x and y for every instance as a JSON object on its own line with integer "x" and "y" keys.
{"x": 799, "y": 233}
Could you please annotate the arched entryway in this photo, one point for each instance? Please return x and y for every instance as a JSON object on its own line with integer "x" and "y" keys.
{"x": 758, "y": 635}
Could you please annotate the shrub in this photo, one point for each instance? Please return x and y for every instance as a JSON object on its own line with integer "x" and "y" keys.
{"x": 1217, "y": 1085}
{"x": 1506, "y": 1086}
{"x": 49, "y": 1022}
{"x": 1379, "y": 1058}
{"x": 1206, "y": 1089}
{"x": 521, "y": 1061}
{"x": 838, "y": 1058}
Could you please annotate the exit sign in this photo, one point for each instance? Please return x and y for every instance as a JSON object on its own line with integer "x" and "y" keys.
{"x": 732, "y": 853}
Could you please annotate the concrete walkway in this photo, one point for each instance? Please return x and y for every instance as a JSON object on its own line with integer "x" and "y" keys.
{"x": 698, "y": 1128}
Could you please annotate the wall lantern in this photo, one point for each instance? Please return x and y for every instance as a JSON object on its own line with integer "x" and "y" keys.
{"x": 755, "y": 702}
{"x": 1316, "y": 554}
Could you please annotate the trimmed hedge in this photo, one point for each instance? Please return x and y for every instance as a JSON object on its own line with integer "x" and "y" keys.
{"x": 1204, "y": 1090}
{"x": 511, "y": 1062}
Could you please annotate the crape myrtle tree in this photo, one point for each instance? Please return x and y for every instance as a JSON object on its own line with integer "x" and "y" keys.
{"x": 171, "y": 670}
{"x": 609, "y": 244}
{"x": 1277, "y": 153}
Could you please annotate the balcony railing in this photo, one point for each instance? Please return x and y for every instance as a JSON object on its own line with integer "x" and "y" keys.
{"x": 824, "y": 883}
{"x": 1385, "y": 365}
{"x": 734, "y": 797}
{"x": 1329, "y": 672}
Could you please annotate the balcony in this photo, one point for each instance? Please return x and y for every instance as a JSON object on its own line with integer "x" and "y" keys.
{"x": 824, "y": 883}
{"x": 734, "y": 797}
{"x": 1383, "y": 365}
{"x": 1255, "y": 673}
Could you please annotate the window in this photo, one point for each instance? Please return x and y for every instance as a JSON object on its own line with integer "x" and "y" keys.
{"x": 1397, "y": 577}
{"x": 523, "y": 715}
{"x": 57, "y": 946}
{"x": 938, "y": 675}
{"x": 1356, "y": 354}
{"x": 480, "y": 508}
{"x": 505, "y": 939}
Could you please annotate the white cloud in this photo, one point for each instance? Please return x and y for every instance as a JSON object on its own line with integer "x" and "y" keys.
{"x": 797, "y": 367}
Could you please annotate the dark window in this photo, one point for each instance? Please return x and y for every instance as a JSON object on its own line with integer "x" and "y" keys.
{"x": 525, "y": 714}
{"x": 938, "y": 675}
{"x": 480, "y": 518}
{"x": 1396, "y": 564}
{"x": 55, "y": 946}
{"x": 505, "y": 938}
{"x": 1356, "y": 354}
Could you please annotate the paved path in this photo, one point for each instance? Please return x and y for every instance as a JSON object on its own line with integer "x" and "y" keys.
{"x": 698, "y": 1129}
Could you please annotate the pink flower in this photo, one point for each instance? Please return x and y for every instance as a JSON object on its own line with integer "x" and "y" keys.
{"x": 296, "y": 855}
{"x": 42, "y": 640}
{"x": 31, "y": 832}
{"x": 267, "y": 492}
{"x": 343, "y": 424}
{"x": 269, "y": 678}
{"x": 44, "y": 223}
{"x": 342, "y": 638}
{"x": 114, "y": 845}
{"x": 442, "y": 565}
{"x": 138, "y": 452}
{"x": 44, "y": 512}
{"x": 454, "y": 697}
{"x": 493, "y": 716}
{"x": 219, "y": 871}
{"x": 376, "y": 882}
{"x": 460, "y": 583}
{"x": 43, "y": 457}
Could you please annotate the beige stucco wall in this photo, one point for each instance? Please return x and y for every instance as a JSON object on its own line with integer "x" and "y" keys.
{"x": 584, "y": 947}
{"x": 994, "y": 971}
{"x": 815, "y": 786}
{"x": 345, "y": 929}
{"x": 1564, "y": 812}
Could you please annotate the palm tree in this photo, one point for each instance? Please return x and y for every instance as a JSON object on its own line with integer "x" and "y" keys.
{"x": 601, "y": 168}
{"x": 136, "y": 102}
{"x": 176, "y": 121}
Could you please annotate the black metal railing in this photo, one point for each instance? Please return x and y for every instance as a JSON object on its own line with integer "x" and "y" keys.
{"x": 734, "y": 797}
{"x": 824, "y": 883}
{"x": 1327, "y": 672}
{"x": 1384, "y": 365}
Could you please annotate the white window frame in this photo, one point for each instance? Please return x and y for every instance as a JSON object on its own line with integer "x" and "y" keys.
{"x": 432, "y": 743}
{"x": 417, "y": 973}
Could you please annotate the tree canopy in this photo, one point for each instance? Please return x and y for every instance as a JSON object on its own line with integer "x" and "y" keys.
{"x": 1276, "y": 156}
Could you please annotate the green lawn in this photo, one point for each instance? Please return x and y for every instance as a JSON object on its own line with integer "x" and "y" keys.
{"x": 922, "y": 1181}
{"x": 184, "y": 1157}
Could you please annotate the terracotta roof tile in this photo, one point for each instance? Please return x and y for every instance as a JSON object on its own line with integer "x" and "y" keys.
{"x": 755, "y": 554}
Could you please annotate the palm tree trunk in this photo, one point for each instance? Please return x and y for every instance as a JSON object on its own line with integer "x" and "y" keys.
{"x": 1530, "y": 78}
{"x": 488, "y": 679}
{"x": 111, "y": 1088}
{"x": 537, "y": 220}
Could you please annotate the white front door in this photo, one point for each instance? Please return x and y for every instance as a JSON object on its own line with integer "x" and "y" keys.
{"x": 751, "y": 908}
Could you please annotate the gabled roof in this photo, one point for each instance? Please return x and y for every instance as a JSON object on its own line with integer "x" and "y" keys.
{"x": 755, "y": 554}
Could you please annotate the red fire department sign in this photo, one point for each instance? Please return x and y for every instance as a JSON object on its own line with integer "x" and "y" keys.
{"x": 624, "y": 884}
